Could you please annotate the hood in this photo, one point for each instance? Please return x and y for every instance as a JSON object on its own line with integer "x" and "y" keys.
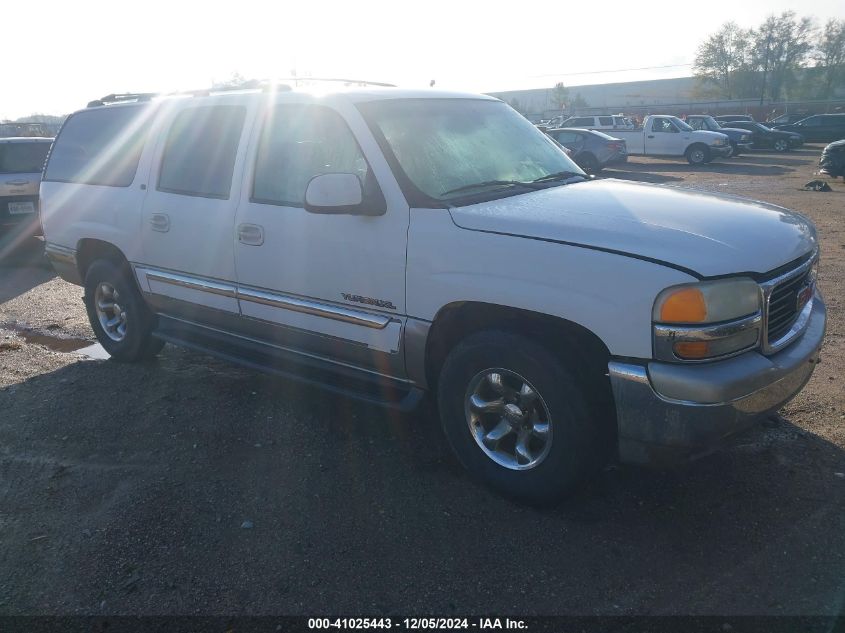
{"x": 707, "y": 234}
{"x": 734, "y": 131}
{"x": 709, "y": 136}
{"x": 788, "y": 133}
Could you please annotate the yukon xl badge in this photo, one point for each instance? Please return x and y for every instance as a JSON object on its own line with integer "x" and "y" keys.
{"x": 381, "y": 303}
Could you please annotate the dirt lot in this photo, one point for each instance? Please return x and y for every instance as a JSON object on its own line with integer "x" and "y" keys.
{"x": 192, "y": 486}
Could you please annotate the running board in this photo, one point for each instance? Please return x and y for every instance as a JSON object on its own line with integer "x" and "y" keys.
{"x": 310, "y": 370}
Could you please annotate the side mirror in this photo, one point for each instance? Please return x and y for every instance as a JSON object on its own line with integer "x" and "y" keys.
{"x": 334, "y": 193}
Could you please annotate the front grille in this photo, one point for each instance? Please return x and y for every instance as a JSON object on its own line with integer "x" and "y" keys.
{"x": 783, "y": 306}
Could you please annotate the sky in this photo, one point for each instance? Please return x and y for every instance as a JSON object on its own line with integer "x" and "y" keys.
{"x": 64, "y": 54}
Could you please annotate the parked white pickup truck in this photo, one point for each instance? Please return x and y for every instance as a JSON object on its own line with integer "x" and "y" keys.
{"x": 663, "y": 135}
{"x": 383, "y": 242}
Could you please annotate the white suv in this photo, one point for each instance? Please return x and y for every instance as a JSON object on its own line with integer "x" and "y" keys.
{"x": 386, "y": 242}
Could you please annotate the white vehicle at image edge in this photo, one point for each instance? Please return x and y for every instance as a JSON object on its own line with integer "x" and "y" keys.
{"x": 663, "y": 135}
{"x": 385, "y": 242}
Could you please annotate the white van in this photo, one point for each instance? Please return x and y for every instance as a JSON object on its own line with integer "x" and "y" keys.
{"x": 386, "y": 242}
{"x": 608, "y": 122}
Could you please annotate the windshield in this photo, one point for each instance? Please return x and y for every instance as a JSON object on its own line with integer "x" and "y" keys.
{"x": 22, "y": 158}
{"x": 455, "y": 148}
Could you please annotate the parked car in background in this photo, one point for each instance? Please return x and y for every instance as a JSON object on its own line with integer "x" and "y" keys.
{"x": 819, "y": 128}
{"x": 590, "y": 149}
{"x": 734, "y": 117}
{"x": 832, "y": 161}
{"x": 739, "y": 139}
{"x": 606, "y": 122}
{"x": 664, "y": 135}
{"x": 560, "y": 322}
{"x": 21, "y": 162}
{"x": 763, "y": 137}
{"x": 786, "y": 119}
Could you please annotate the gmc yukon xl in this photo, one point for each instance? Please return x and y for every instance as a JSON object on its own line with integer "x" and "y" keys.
{"x": 383, "y": 243}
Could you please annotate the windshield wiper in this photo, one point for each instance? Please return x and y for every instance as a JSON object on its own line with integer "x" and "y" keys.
{"x": 559, "y": 175}
{"x": 490, "y": 183}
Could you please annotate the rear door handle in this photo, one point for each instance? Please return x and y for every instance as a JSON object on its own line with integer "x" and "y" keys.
{"x": 651, "y": 135}
{"x": 251, "y": 234}
{"x": 160, "y": 222}
{"x": 17, "y": 183}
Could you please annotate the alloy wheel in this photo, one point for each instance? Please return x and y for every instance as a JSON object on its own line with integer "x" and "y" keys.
{"x": 508, "y": 419}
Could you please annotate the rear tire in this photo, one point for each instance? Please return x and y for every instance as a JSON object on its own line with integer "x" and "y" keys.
{"x": 518, "y": 418}
{"x": 118, "y": 315}
{"x": 589, "y": 163}
{"x": 697, "y": 155}
{"x": 781, "y": 145}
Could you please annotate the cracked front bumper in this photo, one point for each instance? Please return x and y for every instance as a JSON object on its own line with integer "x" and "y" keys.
{"x": 669, "y": 412}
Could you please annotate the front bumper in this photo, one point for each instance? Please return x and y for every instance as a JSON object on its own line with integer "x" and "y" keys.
{"x": 667, "y": 413}
{"x": 720, "y": 151}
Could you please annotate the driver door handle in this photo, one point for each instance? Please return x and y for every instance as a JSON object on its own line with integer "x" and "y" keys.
{"x": 160, "y": 222}
{"x": 651, "y": 135}
{"x": 17, "y": 183}
{"x": 250, "y": 234}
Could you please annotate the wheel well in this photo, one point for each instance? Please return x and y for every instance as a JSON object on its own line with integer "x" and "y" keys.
{"x": 697, "y": 145}
{"x": 574, "y": 344}
{"x": 456, "y": 321}
{"x": 90, "y": 250}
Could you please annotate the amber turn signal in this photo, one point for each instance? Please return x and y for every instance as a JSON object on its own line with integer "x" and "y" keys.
{"x": 692, "y": 349}
{"x": 685, "y": 305}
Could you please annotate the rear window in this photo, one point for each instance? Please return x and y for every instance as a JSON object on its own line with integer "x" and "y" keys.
{"x": 100, "y": 147}
{"x": 22, "y": 158}
{"x": 199, "y": 155}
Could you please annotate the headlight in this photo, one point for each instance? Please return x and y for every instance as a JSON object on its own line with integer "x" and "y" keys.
{"x": 719, "y": 141}
{"x": 707, "y": 320}
{"x": 745, "y": 137}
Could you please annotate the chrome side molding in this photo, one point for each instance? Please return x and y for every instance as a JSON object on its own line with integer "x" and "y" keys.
{"x": 272, "y": 299}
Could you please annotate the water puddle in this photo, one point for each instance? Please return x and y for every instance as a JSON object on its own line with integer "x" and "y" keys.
{"x": 65, "y": 345}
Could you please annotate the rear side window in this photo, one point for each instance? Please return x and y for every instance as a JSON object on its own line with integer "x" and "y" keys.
{"x": 199, "y": 154}
{"x": 100, "y": 147}
{"x": 567, "y": 138}
{"x": 605, "y": 120}
{"x": 297, "y": 143}
{"x": 22, "y": 158}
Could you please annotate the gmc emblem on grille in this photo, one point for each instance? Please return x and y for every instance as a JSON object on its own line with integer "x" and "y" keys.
{"x": 804, "y": 296}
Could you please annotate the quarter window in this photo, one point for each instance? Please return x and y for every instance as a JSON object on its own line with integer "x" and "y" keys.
{"x": 199, "y": 155}
{"x": 297, "y": 143}
{"x": 100, "y": 146}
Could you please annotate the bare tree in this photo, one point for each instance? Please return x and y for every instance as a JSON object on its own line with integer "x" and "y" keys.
{"x": 830, "y": 55}
{"x": 780, "y": 45}
{"x": 721, "y": 57}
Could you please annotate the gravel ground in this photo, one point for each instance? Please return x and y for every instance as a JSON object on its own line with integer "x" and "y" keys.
{"x": 190, "y": 486}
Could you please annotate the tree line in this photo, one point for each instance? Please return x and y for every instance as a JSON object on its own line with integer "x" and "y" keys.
{"x": 785, "y": 57}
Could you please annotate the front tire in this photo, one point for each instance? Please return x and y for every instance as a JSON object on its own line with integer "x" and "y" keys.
{"x": 118, "y": 315}
{"x": 697, "y": 155}
{"x": 517, "y": 417}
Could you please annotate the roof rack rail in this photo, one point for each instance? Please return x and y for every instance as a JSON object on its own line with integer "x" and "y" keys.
{"x": 121, "y": 97}
{"x": 358, "y": 82}
{"x": 248, "y": 85}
